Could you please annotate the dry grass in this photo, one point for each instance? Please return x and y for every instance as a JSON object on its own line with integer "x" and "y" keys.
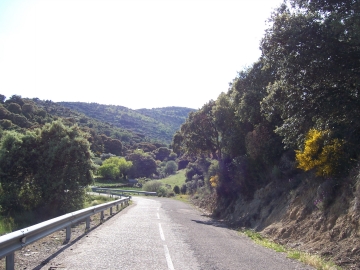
{"x": 306, "y": 258}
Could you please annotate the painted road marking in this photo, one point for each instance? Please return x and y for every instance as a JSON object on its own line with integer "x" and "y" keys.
{"x": 161, "y": 232}
{"x": 168, "y": 258}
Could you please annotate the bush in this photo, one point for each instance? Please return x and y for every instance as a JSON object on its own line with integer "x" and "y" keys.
{"x": 162, "y": 192}
{"x": 176, "y": 190}
{"x": 183, "y": 189}
{"x": 152, "y": 186}
{"x": 320, "y": 152}
{"x": 171, "y": 167}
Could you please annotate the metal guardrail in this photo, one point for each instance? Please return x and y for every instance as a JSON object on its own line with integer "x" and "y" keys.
{"x": 112, "y": 191}
{"x": 11, "y": 242}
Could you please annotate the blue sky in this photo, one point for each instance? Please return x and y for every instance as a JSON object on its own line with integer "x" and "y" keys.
{"x": 134, "y": 53}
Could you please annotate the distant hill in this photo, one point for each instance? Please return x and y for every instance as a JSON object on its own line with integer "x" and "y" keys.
{"x": 158, "y": 124}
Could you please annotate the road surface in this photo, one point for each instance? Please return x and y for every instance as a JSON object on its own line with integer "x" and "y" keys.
{"x": 161, "y": 233}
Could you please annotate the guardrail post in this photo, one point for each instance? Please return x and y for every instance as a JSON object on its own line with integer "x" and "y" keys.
{"x": 102, "y": 216}
{"x": 68, "y": 233}
{"x": 117, "y": 207}
{"x": 10, "y": 262}
{"x": 87, "y": 223}
{"x": 111, "y": 211}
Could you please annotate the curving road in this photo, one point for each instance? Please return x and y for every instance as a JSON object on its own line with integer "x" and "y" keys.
{"x": 160, "y": 233}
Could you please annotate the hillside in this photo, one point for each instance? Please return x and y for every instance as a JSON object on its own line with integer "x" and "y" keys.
{"x": 158, "y": 124}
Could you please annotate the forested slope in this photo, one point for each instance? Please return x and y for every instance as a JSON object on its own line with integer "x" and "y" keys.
{"x": 158, "y": 124}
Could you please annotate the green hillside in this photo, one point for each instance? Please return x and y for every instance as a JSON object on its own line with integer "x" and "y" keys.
{"x": 158, "y": 124}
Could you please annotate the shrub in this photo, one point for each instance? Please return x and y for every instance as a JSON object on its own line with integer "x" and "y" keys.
{"x": 183, "y": 189}
{"x": 176, "y": 190}
{"x": 5, "y": 123}
{"x": 152, "y": 186}
{"x": 162, "y": 192}
{"x": 320, "y": 153}
{"x": 109, "y": 171}
{"x": 171, "y": 167}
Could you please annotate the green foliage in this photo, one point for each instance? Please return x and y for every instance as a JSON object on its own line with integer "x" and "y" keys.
{"x": 2, "y": 98}
{"x": 152, "y": 186}
{"x": 44, "y": 169}
{"x": 143, "y": 164}
{"x": 6, "y": 225}
{"x": 162, "y": 153}
{"x": 298, "y": 84}
{"x": 176, "y": 190}
{"x": 158, "y": 124}
{"x": 174, "y": 179}
{"x": 183, "y": 189}
{"x": 171, "y": 167}
{"x": 315, "y": 86}
{"x": 111, "y": 171}
{"x": 14, "y": 108}
{"x": 114, "y": 168}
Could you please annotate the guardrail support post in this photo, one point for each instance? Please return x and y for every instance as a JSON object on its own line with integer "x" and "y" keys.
{"x": 102, "y": 216}
{"x": 10, "y": 262}
{"x": 87, "y": 223}
{"x": 68, "y": 233}
{"x": 111, "y": 211}
{"x": 117, "y": 208}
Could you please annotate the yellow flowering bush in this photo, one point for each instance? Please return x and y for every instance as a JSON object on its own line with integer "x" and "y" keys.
{"x": 324, "y": 157}
{"x": 214, "y": 181}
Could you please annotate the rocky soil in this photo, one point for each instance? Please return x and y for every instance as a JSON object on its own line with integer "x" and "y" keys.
{"x": 316, "y": 217}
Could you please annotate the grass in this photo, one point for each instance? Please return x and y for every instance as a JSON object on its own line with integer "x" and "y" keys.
{"x": 309, "y": 259}
{"x": 6, "y": 225}
{"x": 92, "y": 200}
{"x": 27, "y": 218}
{"x": 108, "y": 183}
{"x": 177, "y": 179}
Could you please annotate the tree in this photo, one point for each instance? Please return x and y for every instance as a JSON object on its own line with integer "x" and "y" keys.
{"x": 171, "y": 167}
{"x": 45, "y": 169}
{"x": 113, "y": 146}
{"x": 200, "y": 134}
{"x": 176, "y": 189}
{"x": 115, "y": 167}
{"x": 162, "y": 153}
{"x": 2, "y": 98}
{"x": 143, "y": 164}
{"x": 14, "y": 108}
{"x": 314, "y": 49}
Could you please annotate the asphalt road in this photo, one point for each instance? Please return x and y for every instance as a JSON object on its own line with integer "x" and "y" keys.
{"x": 160, "y": 233}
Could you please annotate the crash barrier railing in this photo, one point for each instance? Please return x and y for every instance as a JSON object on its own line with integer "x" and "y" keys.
{"x": 121, "y": 191}
{"x": 11, "y": 242}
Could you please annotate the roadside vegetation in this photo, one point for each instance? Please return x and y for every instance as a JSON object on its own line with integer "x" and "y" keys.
{"x": 309, "y": 259}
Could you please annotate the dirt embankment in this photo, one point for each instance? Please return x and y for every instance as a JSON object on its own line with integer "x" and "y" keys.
{"x": 319, "y": 217}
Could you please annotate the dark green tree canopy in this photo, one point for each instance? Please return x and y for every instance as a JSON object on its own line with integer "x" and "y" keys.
{"x": 47, "y": 168}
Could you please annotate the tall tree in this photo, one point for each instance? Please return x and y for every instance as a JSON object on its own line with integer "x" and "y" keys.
{"x": 316, "y": 50}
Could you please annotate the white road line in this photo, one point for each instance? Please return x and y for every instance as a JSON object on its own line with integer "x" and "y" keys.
{"x": 161, "y": 233}
{"x": 168, "y": 258}
{"x": 158, "y": 216}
